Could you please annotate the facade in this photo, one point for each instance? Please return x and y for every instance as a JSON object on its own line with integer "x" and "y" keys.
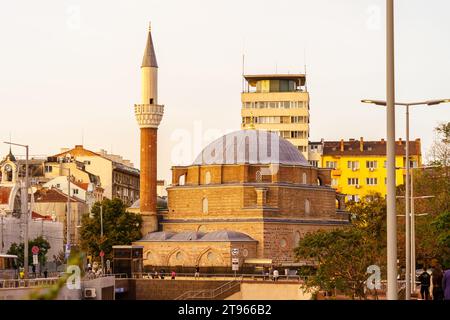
{"x": 279, "y": 103}
{"x": 117, "y": 179}
{"x": 53, "y": 203}
{"x": 149, "y": 115}
{"x": 250, "y": 192}
{"x": 359, "y": 167}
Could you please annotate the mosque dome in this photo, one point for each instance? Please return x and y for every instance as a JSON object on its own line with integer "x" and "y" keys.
{"x": 251, "y": 147}
{"x": 226, "y": 235}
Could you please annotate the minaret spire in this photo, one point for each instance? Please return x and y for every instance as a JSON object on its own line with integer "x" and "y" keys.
{"x": 149, "y": 59}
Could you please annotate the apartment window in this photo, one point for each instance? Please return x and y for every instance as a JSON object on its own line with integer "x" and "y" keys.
{"x": 87, "y": 162}
{"x": 413, "y": 164}
{"x": 334, "y": 182}
{"x": 371, "y": 164}
{"x": 331, "y": 164}
{"x": 371, "y": 181}
{"x": 48, "y": 168}
{"x": 352, "y": 181}
{"x": 302, "y": 148}
{"x": 75, "y": 191}
{"x": 299, "y": 119}
{"x": 354, "y": 165}
{"x": 384, "y": 164}
{"x": 269, "y": 120}
{"x": 58, "y": 186}
{"x": 285, "y": 134}
{"x": 353, "y": 197}
{"x": 314, "y": 163}
{"x": 298, "y": 134}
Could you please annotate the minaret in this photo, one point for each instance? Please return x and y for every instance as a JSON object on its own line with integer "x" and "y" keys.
{"x": 149, "y": 115}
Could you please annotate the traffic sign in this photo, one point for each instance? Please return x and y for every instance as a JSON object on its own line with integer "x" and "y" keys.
{"x": 102, "y": 254}
{"x": 35, "y": 259}
{"x": 235, "y": 251}
{"x": 35, "y": 250}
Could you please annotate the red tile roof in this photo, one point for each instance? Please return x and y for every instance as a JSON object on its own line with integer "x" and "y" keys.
{"x": 35, "y": 215}
{"x": 52, "y": 195}
{"x": 374, "y": 148}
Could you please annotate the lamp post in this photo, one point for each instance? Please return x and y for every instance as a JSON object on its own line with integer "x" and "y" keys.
{"x": 25, "y": 209}
{"x": 409, "y": 205}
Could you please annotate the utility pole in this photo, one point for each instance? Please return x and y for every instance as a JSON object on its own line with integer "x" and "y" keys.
{"x": 101, "y": 230}
{"x": 407, "y": 216}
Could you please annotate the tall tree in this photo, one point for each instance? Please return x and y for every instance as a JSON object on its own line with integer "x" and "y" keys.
{"x": 120, "y": 227}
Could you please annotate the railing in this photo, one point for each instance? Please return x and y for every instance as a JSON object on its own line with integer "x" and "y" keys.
{"x": 27, "y": 283}
{"x": 217, "y": 276}
{"x": 211, "y": 293}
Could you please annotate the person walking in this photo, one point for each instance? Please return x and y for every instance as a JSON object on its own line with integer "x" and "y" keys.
{"x": 197, "y": 272}
{"x": 436, "y": 280}
{"x": 162, "y": 274}
{"x": 45, "y": 273}
{"x": 275, "y": 275}
{"x": 446, "y": 284}
{"x": 173, "y": 274}
{"x": 425, "y": 281}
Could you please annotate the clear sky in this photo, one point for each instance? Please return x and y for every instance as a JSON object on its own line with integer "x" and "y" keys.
{"x": 70, "y": 68}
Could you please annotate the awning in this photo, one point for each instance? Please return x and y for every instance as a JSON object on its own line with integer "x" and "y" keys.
{"x": 258, "y": 261}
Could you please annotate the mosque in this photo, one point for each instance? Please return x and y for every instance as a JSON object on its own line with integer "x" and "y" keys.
{"x": 247, "y": 199}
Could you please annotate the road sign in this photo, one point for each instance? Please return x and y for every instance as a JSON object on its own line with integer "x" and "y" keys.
{"x": 35, "y": 259}
{"x": 35, "y": 250}
{"x": 235, "y": 251}
{"x": 102, "y": 254}
{"x": 108, "y": 263}
{"x": 235, "y": 264}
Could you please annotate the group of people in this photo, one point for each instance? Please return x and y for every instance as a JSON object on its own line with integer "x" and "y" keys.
{"x": 437, "y": 283}
{"x": 162, "y": 274}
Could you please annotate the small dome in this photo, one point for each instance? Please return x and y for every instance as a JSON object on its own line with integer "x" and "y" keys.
{"x": 252, "y": 147}
{"x": 161, "y": 203}
{"x": 10, "y": 157}
{"x": 158, "y": 236}
{"x": 187, "y": 236}
{"x": 226, "y": 235}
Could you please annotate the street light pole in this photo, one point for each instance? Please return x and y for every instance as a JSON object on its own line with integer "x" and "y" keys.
{"x": 101, "y": 230}
{"x": 390, "y": 156}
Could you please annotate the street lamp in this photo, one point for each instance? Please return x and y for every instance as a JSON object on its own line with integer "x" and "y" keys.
{"x": 409, "y": 218}
{"x": 25, "y": 209}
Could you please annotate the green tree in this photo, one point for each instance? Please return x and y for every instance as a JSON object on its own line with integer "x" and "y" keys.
{"x": 442, "y": 226}
{"x": 18, "y": 249}
{"x": 343, "y": 255}
{"x": 120, "y": 227}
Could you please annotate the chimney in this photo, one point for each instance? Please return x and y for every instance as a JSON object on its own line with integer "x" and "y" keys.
{"x": 382, "y": 141}
{"x": 342, "y": 145}
{"x": 361, "y": 144}
{"x": 399, "y": 141}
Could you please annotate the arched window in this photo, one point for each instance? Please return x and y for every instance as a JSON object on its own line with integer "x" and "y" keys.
{"x": 205, "y": 205}
{"x": 207, "y": 177}
{"x": 258, "y": 176}
{"x": 307, "y": 207}
{"x": 297, "y": 238}
{"x": 304, "y": 178}
{"x": 182, "y": 180}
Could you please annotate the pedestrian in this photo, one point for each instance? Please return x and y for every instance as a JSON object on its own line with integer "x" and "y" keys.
{"x": 436, "y": 280}
{"x": 425, "y": 281}
{"x": 446, "y": 284}
{"x": 197, "y": 272}
{"x": 45, "y": 273}
{"x": 155, "y": 274}
{"x": 33, "y": 269}
{"x": 173, "y": 274}
{"x": 275, "y": 275}
{"x": 162, "y": 273}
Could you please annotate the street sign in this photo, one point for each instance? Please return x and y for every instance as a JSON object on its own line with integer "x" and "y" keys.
{"x": 235, "y": 264}
{"x": 35, "y": 259}
{"x": 108, "y": 264}
{"x": 35, "y": 250}
{"x": 102, "y": 254}
{"x": 235, "y": 251}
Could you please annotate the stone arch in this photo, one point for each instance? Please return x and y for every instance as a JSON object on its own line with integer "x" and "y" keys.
{"x": 209, "y": 258}
{"x": 297, "y": 238}
{"x": 201, "y": 228}
{"x": 178, "y": 257}
{"x": 151, "y": 258}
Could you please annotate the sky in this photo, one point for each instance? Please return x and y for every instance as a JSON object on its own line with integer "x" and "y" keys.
{"x": 70, "y": 69}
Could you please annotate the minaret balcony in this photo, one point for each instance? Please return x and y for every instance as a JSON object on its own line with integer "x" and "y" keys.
{"x": 148, "y": 115}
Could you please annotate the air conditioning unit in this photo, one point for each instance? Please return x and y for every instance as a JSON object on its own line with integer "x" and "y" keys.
{"x": 89, "y": 293}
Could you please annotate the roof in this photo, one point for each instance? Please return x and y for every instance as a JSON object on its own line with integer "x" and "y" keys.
{"x": 78, "y": 151}
{"x": 53, "y": 195}
{"x": 160, "y": 203}
{"x": 374, "y": 148}
{"x": 221, "y": 235}
{"x": 299, "y": 79}
{"x": 149, "y": 59}
{"x": 35, "y": 215}
{"x": 4, "y": 194}
{"x": 252, "y": 147}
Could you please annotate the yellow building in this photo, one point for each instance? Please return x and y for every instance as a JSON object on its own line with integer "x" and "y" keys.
{"x": 279, "y": 103}
{"x": 359, "y": 167}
